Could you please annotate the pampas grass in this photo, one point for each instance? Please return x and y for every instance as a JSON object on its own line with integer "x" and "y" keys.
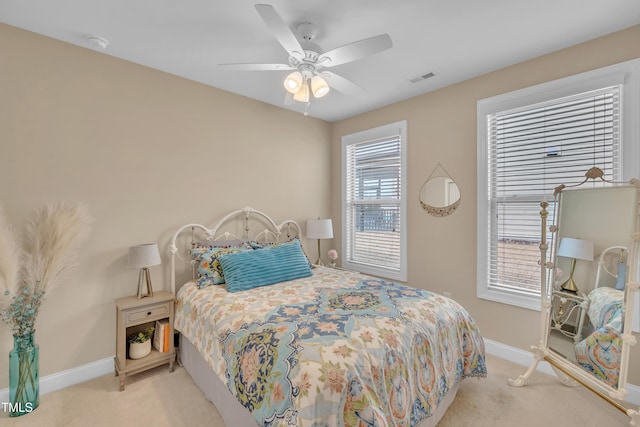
{"x": 53, "y": 236}
{"x": 10, "y": 260}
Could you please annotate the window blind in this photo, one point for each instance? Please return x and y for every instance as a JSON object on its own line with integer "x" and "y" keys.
{"x": 531, "y": 151}
{"x": 373, "y": 197}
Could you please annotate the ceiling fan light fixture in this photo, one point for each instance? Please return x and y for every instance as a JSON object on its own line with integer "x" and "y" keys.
{"x": 319, "y": 87}
{"x": 303, "y": 94}
{"x": 305, "y": 62}
{"x": 293, "y": 82}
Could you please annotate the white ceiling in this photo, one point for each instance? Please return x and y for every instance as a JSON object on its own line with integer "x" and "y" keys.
{"x": 455, "y": 39}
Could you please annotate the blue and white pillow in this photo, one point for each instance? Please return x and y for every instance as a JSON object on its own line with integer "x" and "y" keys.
{"x": 263, "y": 267}
{"x": 209, "y": 268}
{"x": 266, "y": 245}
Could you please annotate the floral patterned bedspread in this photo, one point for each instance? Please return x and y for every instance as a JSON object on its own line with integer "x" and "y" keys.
{"x": 334, "y": 349}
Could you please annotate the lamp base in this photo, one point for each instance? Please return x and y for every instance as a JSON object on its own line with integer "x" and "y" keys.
{"x": 319, "y": 261}
{"x": 145, "y": 276}
{"x": 569, "y": 286}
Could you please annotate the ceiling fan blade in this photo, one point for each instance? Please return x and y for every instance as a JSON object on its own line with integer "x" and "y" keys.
{"x": 256, "y": 67}
{"x": 341, "y": 84}
{"x": 280, "y": 30}
{"x": 356, "y": 50}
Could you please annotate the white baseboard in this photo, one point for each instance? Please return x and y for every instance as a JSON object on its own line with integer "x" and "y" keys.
{"x": 525, "y": 358}
{"x": 67, "y": 378}
{"x": 98, "y": 368}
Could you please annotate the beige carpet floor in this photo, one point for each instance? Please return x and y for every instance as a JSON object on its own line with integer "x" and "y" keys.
{"x": 158, "y": 398}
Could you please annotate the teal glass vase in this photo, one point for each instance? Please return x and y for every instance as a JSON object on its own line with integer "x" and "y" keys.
{"x": 24, "y": 379}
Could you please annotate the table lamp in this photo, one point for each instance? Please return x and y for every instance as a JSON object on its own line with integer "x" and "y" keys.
{"x": 143, "y": 257}
{"x": 319, "y": 229}
{"x": 574, "y": 249}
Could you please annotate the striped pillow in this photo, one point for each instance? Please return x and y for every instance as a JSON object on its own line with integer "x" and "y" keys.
{"x": 248, "y": 270}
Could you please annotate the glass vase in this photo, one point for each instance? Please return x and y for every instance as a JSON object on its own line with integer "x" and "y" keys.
{"x": 24, "y": 385}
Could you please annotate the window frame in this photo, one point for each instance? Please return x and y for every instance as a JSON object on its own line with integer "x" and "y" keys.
{"x": 396, "y": 128}
{"x": 625, "y": 73}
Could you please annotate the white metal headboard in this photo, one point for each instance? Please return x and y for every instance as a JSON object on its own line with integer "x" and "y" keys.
{"x": 602, "y": 265}
{"x": 272, "y": 233}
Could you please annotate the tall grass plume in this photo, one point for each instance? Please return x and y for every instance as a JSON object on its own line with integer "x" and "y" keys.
{"x": 53, "y": 236}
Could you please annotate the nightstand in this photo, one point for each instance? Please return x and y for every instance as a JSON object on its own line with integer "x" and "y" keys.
{"x": 568, "y": 311}
{"x": 134, "y": 315}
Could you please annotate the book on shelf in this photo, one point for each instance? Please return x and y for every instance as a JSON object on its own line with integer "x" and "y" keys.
{"x": 166, "y": 337}
{"x": 161, "y": 336}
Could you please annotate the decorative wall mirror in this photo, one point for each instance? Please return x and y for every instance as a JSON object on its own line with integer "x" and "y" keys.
{"x": 589, "y": 278}
{"x": 439, "y": 195}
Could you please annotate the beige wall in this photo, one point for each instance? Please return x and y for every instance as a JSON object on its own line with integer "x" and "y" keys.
{"x": 147, "y": 152}
{"x": 442, "y": 128}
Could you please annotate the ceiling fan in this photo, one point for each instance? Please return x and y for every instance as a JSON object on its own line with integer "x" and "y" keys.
{"x": 308, "y": 76}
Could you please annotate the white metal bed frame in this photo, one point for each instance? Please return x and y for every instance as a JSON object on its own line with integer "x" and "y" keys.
{"x": 232, "y": 412}
{"x": 272, "y": 233}
{"x": 602, "y": 265}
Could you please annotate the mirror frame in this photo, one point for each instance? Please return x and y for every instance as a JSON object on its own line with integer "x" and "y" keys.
{"x": 569, "y": 373}
{"x": 439, "y": 211}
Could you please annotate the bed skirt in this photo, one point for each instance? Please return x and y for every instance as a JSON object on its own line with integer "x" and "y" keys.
{"x": 236, "y": 415}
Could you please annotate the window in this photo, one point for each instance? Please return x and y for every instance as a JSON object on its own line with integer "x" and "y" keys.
{"x": 374, "y": 201}
{"x": 529, "y": 142}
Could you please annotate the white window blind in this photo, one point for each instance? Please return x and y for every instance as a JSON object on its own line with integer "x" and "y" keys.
{"x": 531, "y": 150}
{"x": 374, "y": 176}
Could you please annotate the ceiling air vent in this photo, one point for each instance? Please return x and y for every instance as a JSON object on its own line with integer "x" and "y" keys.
{"x": 423, "y": 77}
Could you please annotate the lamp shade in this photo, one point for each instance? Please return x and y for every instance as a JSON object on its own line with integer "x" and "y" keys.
{"x": 576, "y": 248}
{"x": 319, "y": 87}
{"x": 293, "y": 82}
{"x": 319, "y": 229}
{"x": 145, "y": 255}
{"x": 303, "y": 94}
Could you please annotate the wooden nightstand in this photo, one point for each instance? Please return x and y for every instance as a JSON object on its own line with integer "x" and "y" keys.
{"x": 134, "y": 315}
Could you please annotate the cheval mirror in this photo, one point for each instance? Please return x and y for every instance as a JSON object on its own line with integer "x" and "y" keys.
{"x": 589, "y": 278}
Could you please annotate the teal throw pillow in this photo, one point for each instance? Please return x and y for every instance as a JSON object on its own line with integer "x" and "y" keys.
{"x": 279, "y": 263}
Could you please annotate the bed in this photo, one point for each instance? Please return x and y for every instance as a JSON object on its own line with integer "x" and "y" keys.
{"x": 600, "y": 352}
{"x": 328, "y": 347}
